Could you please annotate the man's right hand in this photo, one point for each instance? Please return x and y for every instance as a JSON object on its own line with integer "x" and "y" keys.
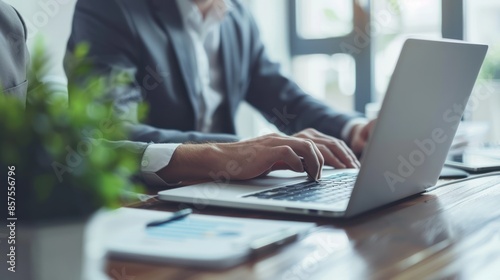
{"x": 243, "y": 160}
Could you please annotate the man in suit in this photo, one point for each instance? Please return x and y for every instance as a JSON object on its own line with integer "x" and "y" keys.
{"x": 190, "y": 162}
{"x": 194, "y": 62}
{"x": 14, "y": 57}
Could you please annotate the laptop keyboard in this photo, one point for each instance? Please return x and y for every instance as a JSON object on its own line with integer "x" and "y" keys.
{"x": 329, "y": 190}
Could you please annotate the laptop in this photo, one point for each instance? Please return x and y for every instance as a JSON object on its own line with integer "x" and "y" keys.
{"x": 421, "y": 111}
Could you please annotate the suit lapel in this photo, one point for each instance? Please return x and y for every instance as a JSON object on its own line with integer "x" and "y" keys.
{"x": 228, "y": 58}
{"x": 170, "y": 18}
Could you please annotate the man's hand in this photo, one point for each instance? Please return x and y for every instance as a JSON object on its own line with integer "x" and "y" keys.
{"x": 243, "y": 160}
{"x": 335, "y": 151}
{"x": 358, "y": 137}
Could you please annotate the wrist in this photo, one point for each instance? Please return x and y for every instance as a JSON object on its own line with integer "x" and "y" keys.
{"x": 348, "y": 133}
{"x": 191, "y": 162}
{"x": 210, "y": 156}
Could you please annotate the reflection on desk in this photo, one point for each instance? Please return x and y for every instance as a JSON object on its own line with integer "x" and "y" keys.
{"x": 452, "y": 232}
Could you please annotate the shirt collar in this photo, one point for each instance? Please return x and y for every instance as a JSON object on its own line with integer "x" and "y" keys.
{"x": 191, "y": 14}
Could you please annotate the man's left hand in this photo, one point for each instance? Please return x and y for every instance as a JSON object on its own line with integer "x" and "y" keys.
{"x": 335, "y": 152}
{"x": 358, "y": 137}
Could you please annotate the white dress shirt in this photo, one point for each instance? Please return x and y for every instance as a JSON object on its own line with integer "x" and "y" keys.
{"x": 204, "y": 33}
{"x": 156, "y": 157}
{"x": 205, "y": 40}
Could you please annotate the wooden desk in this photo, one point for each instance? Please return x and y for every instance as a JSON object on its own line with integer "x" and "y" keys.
{"x": 451, "y": 232}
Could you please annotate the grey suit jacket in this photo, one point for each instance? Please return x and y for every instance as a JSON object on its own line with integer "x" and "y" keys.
{"x": 14, "y": 57}
{"x": 147, "y": 40}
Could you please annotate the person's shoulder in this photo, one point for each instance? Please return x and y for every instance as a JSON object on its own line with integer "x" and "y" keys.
{"x": 5, "y": 8}
{"x": 8, "y": 15}
{"x": 11, "y": 22}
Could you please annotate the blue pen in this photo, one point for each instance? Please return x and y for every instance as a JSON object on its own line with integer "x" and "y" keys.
{"x": 174, "y": 217}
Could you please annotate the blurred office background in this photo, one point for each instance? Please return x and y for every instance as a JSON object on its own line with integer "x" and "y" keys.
{"x": 342, "y": 51}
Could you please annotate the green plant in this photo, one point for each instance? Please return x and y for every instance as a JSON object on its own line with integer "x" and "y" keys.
{"x": 491, "y": 66}
{"x": 63, "y": 168}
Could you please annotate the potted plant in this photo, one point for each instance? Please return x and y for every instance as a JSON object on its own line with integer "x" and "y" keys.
{"x": 59, "y": 172}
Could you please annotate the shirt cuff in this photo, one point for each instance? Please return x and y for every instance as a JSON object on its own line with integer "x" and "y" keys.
{"x": 346, "y": 131}
{"x": 155, "y": 158}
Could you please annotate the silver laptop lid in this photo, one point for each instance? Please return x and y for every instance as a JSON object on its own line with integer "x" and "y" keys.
{"x": 425, "y": 100}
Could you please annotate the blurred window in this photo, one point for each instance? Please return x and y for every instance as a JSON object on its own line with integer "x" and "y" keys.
{"x": 396, "y": 20}
{"x": 324, "y": 18}
{"x": 326, "y": 57}
{"x": 344, "y": 51}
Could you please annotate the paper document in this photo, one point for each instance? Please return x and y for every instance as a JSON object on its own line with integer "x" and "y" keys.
{"x": 197, "y": 240}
